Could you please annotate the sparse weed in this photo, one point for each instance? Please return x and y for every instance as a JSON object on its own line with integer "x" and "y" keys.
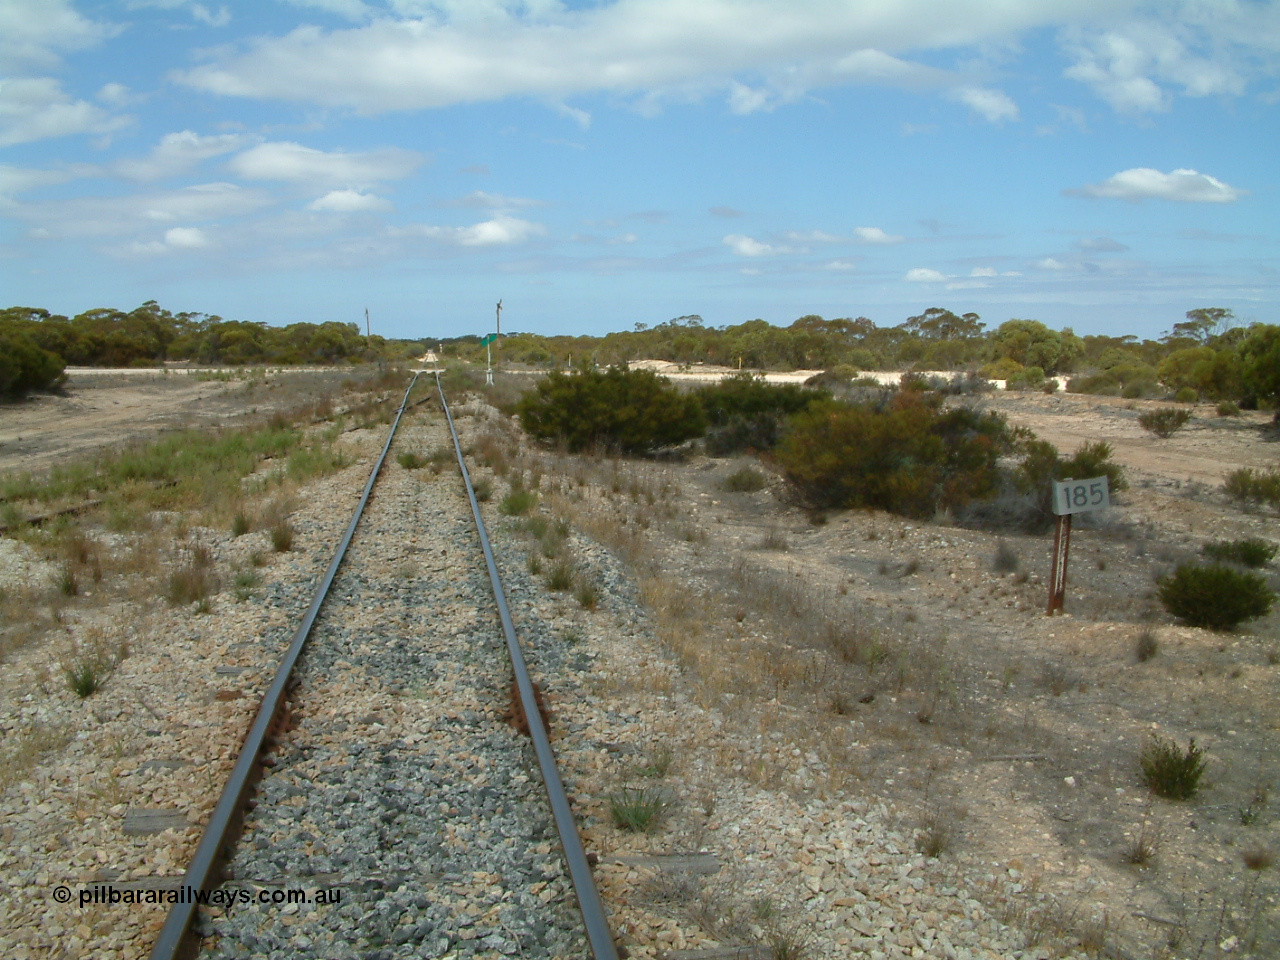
{"x": 659, "y": 763}
{"x": 1140, "y": 849}
{"x": 587, "y": 594}
{"x": 411, "y": 461}
{"x": 637, "y": 810}
{"x": 282, "y": 534}
{"x": 194, "y": 580}
{"x": 1146, "y": 646}
{"x": 483, "y": 489}
{"x": 240, "y": 524}
{"x": 774, "y": 539}
{"x": 517, "y": 502}
{"x": 743, "y": 480}
{"x": 561, "y": 577}
{"x": 1006, "y": 559}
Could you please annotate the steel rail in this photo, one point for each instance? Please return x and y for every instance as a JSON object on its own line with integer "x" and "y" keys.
{"x": 598, "y": 933}
{"x": 176, "y": 939}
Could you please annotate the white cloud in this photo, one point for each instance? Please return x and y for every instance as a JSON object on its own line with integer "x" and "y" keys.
{"x": 32, "y": 31}
{"x": 448, "y": 53}
{"x": 15, "y": 180}
{"x": 875, "y": 235}
{"x": 1049, "y": 263}
{"x": 812, "y": 236}
{"x": 749, "y": 247}
{"x": 143, "y": 213}
{"x": 294, "y": 162}
{"x": 1123, "y": 65}
{"x": 199, "y": 11}
{"x": 500, "y": 231}
{"x": 1144, "y": 183}
{"x": 479, "y": 199}
{"x": 186, "y": 238}
{"x": 840, "y": 266}
{"x": 349, "y": 201}
{"x": 982, "y": 272}
{"x": 36, "y": 108}
{"x": 924, "y": 275}
{"x": 354, "y": 10}
{"x": 177, "y": 153}
{"x": 993, "y": 106}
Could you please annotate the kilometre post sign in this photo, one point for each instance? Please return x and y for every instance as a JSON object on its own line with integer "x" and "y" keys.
{"x": 1080, "y": 496}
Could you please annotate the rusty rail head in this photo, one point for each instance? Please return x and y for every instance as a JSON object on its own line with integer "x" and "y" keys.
{"x": 177, "y": 940}
{"x": 598, "y": 933}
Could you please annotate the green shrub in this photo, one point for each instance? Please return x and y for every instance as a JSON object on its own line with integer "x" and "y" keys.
{"x": 83, "y": 678}
{"x": 24, "y": 366}
{"x": 561, "y": 577}
{"x": 483, "y": 489}
{"x": 630, "y": 411}
{"x": 743, "y": 480}
{"x": 1252, "y": 552}
{"x": 1164, "y": 422}
{"x": 1249, "y": 484}
{"x": 518, "y": 502}
{"x": 282, "y": 535}
{"x": 1228, "y": 408}
{"x": 1187, "y": 395}
{"x": 1215, "y": 596}
{"x": 1169, "y": 772}
{"x": 910, "y": 457}
{"x": 746, "y": 413}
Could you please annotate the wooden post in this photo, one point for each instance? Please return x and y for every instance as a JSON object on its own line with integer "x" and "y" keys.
{"x": 1058, "y": 578}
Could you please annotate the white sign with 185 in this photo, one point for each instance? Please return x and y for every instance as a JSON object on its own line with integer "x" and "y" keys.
{"x": 1080, "y": 496}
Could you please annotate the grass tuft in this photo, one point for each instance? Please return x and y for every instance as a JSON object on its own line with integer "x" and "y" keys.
{"x": 637, "y": 810}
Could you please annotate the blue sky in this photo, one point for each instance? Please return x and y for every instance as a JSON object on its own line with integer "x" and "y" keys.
{"x": 1103, "y": 165}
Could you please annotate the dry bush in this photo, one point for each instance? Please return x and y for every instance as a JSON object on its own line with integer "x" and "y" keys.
{"x": 195, "y": 579}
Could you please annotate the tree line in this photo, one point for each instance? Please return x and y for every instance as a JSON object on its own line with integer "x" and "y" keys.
{"x": 36, "y": 346}
{"x": 1207, "y": 356}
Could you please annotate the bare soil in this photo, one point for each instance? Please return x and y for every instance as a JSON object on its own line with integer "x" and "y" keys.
{"x": 1016, "y": 733}
{"x": 105, "y": 408}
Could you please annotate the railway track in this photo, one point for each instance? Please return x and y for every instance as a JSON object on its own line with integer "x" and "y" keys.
{"x": 382, "y": 805}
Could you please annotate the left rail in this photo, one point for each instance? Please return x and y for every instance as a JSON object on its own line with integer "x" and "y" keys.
{"x": 177, "y": 940}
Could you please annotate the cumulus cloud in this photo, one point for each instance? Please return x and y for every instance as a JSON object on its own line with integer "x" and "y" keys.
{"x": 1125, "y": 66}
{"x": 293, "y": 162}
{"x": 924, "y": 275}
{"x": 1050, "y": 263}
{"x": 500, "y": 231}
{"x": 992, "y": 105}
{"x": 37, "y": 108}
{"x": 175, "y": 239}
{"x": 445, "y": 53}
{"x": 32, "y": 32}
{"x": 745, "y": 246}
{"x": 875, "y": 235}
{"x": 349, "y": 201}
{"x": 177, "y": 153}
{"x": 1144, "y": 183}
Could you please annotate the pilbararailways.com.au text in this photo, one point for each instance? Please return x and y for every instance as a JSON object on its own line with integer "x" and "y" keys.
{"x": 105, "y": 893}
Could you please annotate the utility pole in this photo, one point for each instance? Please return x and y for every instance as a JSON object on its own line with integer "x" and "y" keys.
{"x": 498, "y": 330}
{"x": 366, "y": 321}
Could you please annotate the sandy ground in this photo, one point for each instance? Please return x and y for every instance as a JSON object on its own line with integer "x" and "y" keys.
{"x": 100, "y": 408}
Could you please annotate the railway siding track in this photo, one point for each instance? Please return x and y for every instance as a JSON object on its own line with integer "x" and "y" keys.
{"x": 396, "y": 792}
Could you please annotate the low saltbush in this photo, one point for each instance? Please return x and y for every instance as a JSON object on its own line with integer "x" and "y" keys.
{"x": 1170, "y": 772}
{"x": 1164, "y": 422}
{"x": 1215, "y": 596}
{"x": 1251, "y": 552}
